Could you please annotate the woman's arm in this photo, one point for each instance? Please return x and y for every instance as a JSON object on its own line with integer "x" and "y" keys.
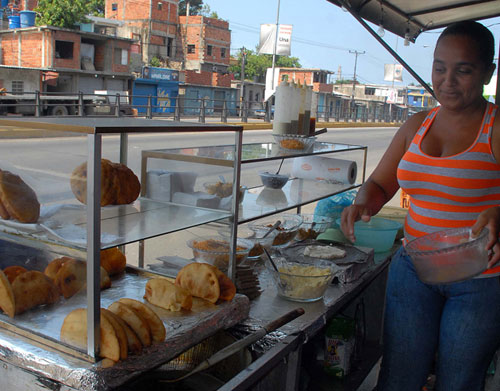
{"x": 382, "y": 184}
{"x": 490, "y": 218}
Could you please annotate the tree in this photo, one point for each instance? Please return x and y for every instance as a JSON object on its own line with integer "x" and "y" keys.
{"x": 256, "y": 64}
{"x": 96, "y": 7}
{"x": 207, "y": 11}
{"x": 67, "y": 13}
{"x": 195, "y": 7}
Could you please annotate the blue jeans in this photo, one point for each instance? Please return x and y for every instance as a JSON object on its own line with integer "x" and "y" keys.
{"x": 461, "y": 322}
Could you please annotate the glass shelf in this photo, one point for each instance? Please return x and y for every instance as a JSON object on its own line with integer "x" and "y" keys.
{"x": 120, "y": 225}
{"x": 261, "y": 201}
{"x": 250, "y": 153}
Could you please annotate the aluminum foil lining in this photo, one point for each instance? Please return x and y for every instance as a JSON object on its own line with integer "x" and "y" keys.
{"x": 184, "y": 329}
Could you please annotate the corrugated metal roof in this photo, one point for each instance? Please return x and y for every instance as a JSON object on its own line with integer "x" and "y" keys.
{"x": 415, "y": 16}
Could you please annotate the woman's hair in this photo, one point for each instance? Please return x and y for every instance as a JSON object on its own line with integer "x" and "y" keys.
{"x": 482, "y": 37}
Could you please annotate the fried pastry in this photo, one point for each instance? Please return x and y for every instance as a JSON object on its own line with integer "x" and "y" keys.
{"x": 18, "y": 199}
{"x": 32, "y": 289}
{"x": 119, "y": 331}
{"x": 136, "y": 322}
{"x": 54, "y": 266}
{"x": 113, "y": 260}
{"x": 158, "y": 332}
{"x": 200, "y": 280}
{"x": 167, "y": 295}
{"x": 7, "y": 300}
{"x": 119, "y": 184}
{"x": 13, "y": 271}
{"x": 71, "y": 277}
{"x": 74, "y": 332}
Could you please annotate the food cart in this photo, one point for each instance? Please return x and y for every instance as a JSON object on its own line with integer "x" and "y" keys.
{"x": 30, "y": 353}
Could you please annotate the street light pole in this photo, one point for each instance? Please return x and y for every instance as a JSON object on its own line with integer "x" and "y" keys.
{"x": 356, "y": 53}
{"x": 275, "y": 45}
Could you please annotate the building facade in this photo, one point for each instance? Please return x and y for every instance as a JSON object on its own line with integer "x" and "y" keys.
{"x": 67, "y": 60}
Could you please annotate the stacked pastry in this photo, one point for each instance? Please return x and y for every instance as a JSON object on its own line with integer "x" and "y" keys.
{"x": 22, "y": 289}
{"x": 18, "y": 201}
{"x": 119, "y": 184}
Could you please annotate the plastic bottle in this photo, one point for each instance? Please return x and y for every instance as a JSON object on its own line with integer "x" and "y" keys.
{"x": 339, "y": 339}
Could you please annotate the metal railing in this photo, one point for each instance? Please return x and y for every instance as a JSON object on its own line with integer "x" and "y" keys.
{"x": 184, "y": 108}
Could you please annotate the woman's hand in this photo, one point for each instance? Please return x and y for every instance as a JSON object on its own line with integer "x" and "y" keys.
{"x": 350, "y": 215}
{"x": 490, "y": 218}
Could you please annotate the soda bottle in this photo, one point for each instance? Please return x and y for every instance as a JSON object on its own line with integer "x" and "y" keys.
{"x": 339, "y": 339}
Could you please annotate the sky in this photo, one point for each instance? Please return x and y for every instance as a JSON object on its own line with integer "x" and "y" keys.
{"x": 323, "y": 34}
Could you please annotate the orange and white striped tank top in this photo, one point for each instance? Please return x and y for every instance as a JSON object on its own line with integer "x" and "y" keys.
{"x": 451, "y": 191}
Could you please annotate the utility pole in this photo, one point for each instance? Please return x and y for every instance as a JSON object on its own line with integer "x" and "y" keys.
{"x": 356, "y": 53}
{"x": 242, "y": 85}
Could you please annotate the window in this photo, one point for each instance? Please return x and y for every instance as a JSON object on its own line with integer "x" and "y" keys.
{"x": 64, "y": 49}
{"x": 160, "y": 6}
{"x": 257, "y": 97}
{"x": 209, "y": 50}
{"x": 250, "y": 96}
{"x": 190, "y": 49}
{"x": 369, "y": 91}
{"x": 121, "y": 56}
{"x": 223, "y": 52}
{"x": 17, "y": 86}
{"x": 170, "y": 46}
{"x": 114, "y": 7}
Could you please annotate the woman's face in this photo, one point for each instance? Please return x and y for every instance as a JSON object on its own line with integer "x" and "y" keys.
{"x": 458, "y": 75}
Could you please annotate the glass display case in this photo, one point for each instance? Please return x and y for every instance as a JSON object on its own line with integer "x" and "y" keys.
{"x": 73, "y": 220}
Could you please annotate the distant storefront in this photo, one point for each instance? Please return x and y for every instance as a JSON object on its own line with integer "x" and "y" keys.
{"x": 161, "y": 84}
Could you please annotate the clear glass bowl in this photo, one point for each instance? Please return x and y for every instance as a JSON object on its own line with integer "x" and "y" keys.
{"x": 215, "y": 250}
{"x": 312, "y": 225}
{"x": 294, "y": 142}
{"x": 301, "y": 280}
{"x": 273, "y": 181}
{"x": 448, "y": 256}
{"x": 246, "y": 233}
{"x": 286, "y": 232}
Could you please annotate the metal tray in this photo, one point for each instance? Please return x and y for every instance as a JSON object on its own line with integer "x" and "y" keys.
{"x": 356, "y": 261}
{"x": 31, "y": 340}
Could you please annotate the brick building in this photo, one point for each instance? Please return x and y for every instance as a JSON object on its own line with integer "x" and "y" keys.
{"x": 67, "y": 60}
{"x": 153, "y": 24}
{"x": 206, "y": 43}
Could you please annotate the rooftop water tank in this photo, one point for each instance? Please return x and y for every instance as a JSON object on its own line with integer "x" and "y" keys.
{"x": 27, "y": 18}
{"x": 14, "y": 21}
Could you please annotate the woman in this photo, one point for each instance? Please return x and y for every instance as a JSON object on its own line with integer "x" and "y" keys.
{"x": 448, "y": 161}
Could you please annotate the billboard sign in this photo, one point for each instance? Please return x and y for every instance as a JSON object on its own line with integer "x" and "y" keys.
{"x": 160, "y": 74}
{"x": 393, "y": 72}
{"x": 268, "y": 37}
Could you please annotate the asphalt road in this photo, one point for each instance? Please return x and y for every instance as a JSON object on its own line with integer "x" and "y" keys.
{"x": 47, "y": 164}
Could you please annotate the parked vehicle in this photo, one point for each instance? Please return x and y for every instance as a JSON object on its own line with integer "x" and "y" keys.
{"x": 45, "y": 103}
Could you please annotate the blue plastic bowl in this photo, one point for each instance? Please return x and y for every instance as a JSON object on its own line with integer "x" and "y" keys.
{"x": 378, "y": 233}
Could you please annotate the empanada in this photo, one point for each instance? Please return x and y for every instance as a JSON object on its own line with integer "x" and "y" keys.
{"x": 200, "y": 280}
{"x": 158, "y": 332}
{"x": 165, "y": 294}
{"x": 71, "y": 277}
{"x": 7, "y": 301}
{"x": 74, "y": 332}
{"x": 136, "y": 322}
{"x": 13, "y": 271}
{"x": 32, "y": 289}
{"x": 18, "y": 199}
{"x": 113, "y": 260}
{"x": 119, "y": 331}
